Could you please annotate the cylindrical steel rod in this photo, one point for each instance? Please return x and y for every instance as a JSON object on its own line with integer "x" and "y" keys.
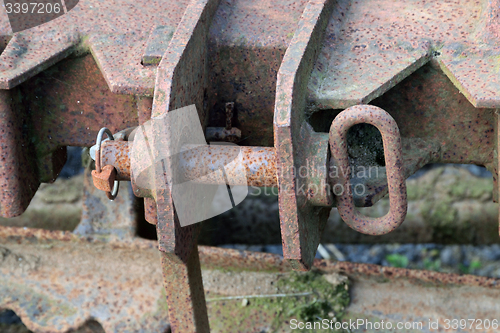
{"x": 196, "y": 163}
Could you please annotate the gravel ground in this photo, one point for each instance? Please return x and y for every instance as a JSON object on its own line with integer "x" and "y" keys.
{"x": 461, "y": 259}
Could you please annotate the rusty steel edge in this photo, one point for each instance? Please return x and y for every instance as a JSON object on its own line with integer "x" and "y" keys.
{"x": 354, "y": 270}
{"x": 219, "y": 258}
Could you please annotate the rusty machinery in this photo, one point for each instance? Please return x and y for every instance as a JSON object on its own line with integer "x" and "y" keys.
{"x": 286, "y": 79}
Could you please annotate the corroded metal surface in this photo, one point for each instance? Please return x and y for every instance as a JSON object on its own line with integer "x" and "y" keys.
{"x": 301, "y": 223}
{"x": 260, "y": 163}
{"x": 126, "y": 295}
{"x": 185, "y": 293}
{"x": 157, "y": 44}
{"x": 115, "y": 35}
{"x": 416, "y": 154}
{"x": 105, "y": 179}
{"x": 17, "y": 184}
{"x": 339, "y": 54}
{"x": 150, "y": 211}
{"x": 63, "y": 101}
{"x": 378, "y": 43}
{"x": 63, "y": 106}
{"x": 248, "y": 40}
{"x": 117, "y": 154}
{"x": 214, "y": 257}
{"x": 68, "y": 104}
{"x": 417, "y": 276}
{"x": 196, "y": 161}
{"x": 56, "y": 281}
{"x": 182, "y": 80}
{"x": 394, "y": 165}
{"x": 428, "y": 106}
{"x": 436, "y": 111}
{"x": 104, "y": 218}
{"x": 395, "y": 295}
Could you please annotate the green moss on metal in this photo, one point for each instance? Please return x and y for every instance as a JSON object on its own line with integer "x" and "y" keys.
{"x": 81, "y": 48}
{"x": 306, "y": 297}
{"x": 456, "y": 83}
{"x": 151, "y": 61}
{"x": 325, "y": 298}
{"x": 161, "y": 307}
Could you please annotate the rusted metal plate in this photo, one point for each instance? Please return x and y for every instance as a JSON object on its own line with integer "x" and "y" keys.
{"x": 157, "y": 45}
{"x": 17, "y": 183}
{"x": 65, "y": 105}
{"x": 237, "y": 60}
{"x": 402, "y": 295}
{"x": 181, "y": 81}
{"x": 434, "y": 69}
{"x": 30, "y": 52}
{"x": 248, "y": 40}
{"x": 56, "y": 281}
{"x": 185, "y": 293}
{"x": 370, "y": 46}
{"x": 150, "y": 211}
{"x": 428, "y": 106}
{"x": 116, "y": 32}
{"x": 69, "y": 101}
{"x": 301, "y": 224}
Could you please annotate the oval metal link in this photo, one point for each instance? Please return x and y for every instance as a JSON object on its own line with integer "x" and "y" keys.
{"x": 387, "y": 126}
